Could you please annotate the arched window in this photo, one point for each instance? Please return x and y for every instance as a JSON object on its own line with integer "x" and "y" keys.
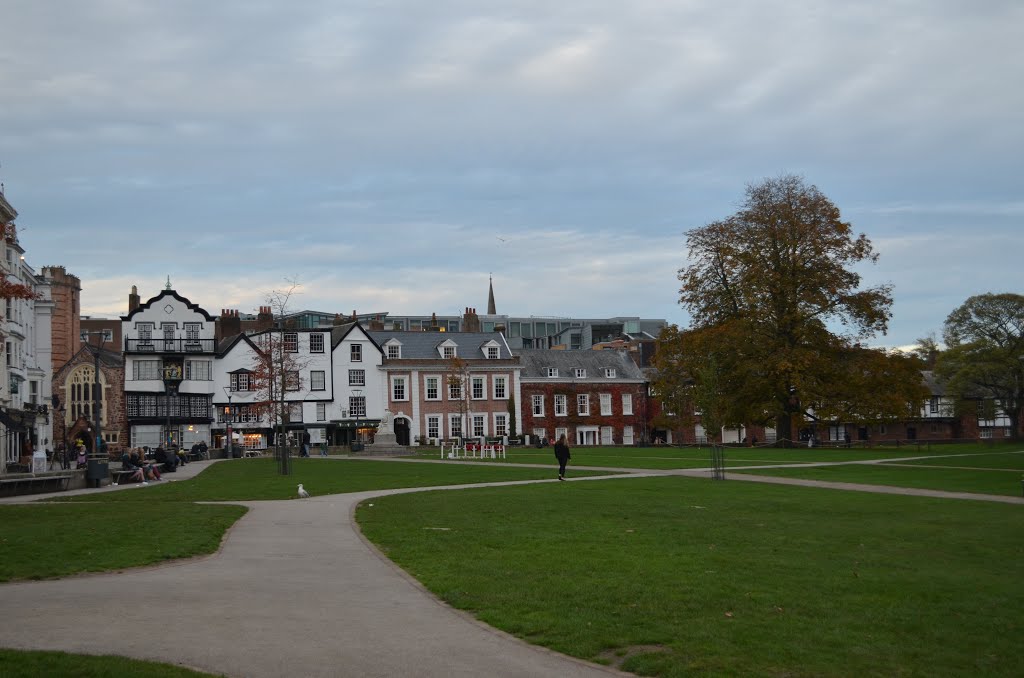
{"x": 79, "y": 395}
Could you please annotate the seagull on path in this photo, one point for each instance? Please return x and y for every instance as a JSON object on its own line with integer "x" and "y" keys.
{"x": 302, "y": 492}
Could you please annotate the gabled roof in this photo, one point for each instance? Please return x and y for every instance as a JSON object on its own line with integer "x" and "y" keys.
{"x": 110, "y": 359}
{"x": 340, "y": 332}
{"x": 228, "y": 343}
{"x": 424, "y": 345}
{"x": 169, "y": 293}
{"x": 536, "y": 361}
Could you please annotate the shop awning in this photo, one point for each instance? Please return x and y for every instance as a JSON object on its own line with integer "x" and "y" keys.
{"x": 355, "y": 423}
{"x": 10, "y": 422}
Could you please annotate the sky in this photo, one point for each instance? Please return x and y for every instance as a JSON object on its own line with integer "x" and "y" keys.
{"x": 392, "y": 155}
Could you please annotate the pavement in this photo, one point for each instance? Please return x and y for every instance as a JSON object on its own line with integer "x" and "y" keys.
{"x": 295, "y": 590}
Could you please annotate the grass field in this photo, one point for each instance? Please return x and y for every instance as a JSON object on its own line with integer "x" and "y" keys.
{"x": 93, "y": 532}
{"x": 695, "y": 457}
{"x": 256, "y": 479}
{"x": 689, "y": 577}
{"x": 1002, "y": 482}
{"x": 19, "y": 664}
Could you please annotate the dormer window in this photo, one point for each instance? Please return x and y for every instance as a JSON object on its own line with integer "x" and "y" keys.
{"x": 492, "y": 352}
{"x": 609, "y": 372}
{"x": 550, "y": 371}
{"x": 394, "y": 349}
{"x": 448, "y": 349}
{"x": 580, "y": 373}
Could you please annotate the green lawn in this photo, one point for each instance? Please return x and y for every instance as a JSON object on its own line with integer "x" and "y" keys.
{"x": 21, "y": 664}
{"x": 663, "y": 457}
{"x": 92, "y": 532}
{"x": 1004, "y": 460}
{"x": 923, "y": 477}
{"x": 255, "y": 479}
{"x": 725, "y": 579}
{"x": 43, "y": 541}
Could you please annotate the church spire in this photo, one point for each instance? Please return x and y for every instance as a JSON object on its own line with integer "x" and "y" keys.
{"x": 490, "y": 297}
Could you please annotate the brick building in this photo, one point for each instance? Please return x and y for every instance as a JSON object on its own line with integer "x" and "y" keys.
{"x": 594, "y": 397}
{"x": 444, "y": 385}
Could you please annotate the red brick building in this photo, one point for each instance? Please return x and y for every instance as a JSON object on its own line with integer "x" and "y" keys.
{"x": 593, "y": 397}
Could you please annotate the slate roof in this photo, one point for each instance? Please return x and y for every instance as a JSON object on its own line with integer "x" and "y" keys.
{"x": 424, "y": 345}
{"x": 536, "y": 361}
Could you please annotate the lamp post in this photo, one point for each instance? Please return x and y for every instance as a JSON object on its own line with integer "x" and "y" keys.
{"x": 171, "y": 379}
{"x": 228, "y": 418}
{"x": 96, "y": 469}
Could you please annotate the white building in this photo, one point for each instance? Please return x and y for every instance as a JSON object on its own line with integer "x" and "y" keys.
{"x": 26, "y": 368}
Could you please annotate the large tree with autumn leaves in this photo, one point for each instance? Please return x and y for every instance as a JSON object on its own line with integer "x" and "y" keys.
{"x": 778, "y": 317}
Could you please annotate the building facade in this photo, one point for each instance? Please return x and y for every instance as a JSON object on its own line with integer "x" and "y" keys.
{"x": 169, "y": 357}
{"x": 450, "y": 385}
{"x": 27, "y": 367}
{"x": 593, "y": 397}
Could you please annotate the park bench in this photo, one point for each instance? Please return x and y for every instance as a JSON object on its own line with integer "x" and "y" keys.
{"x": 31, "y": 484}
{"x": 121, "y": 475}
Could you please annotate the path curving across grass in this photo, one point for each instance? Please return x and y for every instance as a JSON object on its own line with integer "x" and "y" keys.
{"x": 686, "y": 577}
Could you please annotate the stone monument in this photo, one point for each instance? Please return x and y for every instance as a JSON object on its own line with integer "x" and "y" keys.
{"x": 384, "y": 441}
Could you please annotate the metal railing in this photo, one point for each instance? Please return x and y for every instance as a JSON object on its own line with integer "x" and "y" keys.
{"x": 170, "y": 346}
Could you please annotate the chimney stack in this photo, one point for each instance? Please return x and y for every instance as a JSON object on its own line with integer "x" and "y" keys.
{"x": 133, "y": 299}
{"x": 229, "y": 324}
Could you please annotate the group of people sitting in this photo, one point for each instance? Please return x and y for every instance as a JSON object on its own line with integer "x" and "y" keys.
{"x": 144, "y": 471}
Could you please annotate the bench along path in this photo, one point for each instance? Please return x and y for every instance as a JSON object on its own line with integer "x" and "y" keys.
{"x": 295, "y": 590}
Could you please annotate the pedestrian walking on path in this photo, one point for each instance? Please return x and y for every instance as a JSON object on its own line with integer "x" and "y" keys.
{"x": 562, "y": 455}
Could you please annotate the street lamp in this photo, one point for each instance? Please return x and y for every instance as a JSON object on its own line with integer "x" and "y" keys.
{"x": 96, "y": 469}
{"x": 171, "y": 379}
{"x": 228, "y": 417}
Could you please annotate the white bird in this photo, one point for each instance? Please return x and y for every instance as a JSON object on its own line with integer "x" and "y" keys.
{"x": 302, "y": 492}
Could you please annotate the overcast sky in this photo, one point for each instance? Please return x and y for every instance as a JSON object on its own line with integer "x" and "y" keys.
{"x": 391, "y": 155}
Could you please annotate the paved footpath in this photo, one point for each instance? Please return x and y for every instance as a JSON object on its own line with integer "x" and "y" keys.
{"x": 294, "y": 590}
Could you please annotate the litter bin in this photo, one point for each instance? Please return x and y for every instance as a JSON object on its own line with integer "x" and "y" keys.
{"x": 95, "y": 471}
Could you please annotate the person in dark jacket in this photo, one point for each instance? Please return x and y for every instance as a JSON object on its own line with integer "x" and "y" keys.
{"x": 562, "y": 455}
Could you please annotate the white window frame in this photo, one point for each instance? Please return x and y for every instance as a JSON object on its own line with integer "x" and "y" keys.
{"x": 561, "y": 431}
{"x": 434, "y": 426}
{"x": 499, "y": 387}
{"x": 561, "y": 405}
{"x": 453, "y": 430}
{"x": 580, "y": 373}
{"x": 627, "y": 435}
{"x": 551, "y": 372}
{"x": 313, "y": 382}
{"x": 482, "y": 383}
{"x": 321, "y": 411}
{"x": 493, "y": 353}
{"x": 356, "y": 406}
{"x": 500, "y": 424}
{"x": 606, "y": 404}
{"x": 357, "y": 377}
{"x": 436, "y": 380}
{"x": 396, "y": 383}
{"x": 606, "y": 435}
{"x": 316, "y": 342}
{"x": 583, "y": 404}
{"x": 609, "y": 373}
{"x": 479, "y": 424}
{"x": 394, "y": 351}
{"x": 191, "y": 370}
{"x": 290, "y": 342}
{"x": 537, "y": 405}
{"x": 355, "y": 353}
{"x": 627, "y": 403}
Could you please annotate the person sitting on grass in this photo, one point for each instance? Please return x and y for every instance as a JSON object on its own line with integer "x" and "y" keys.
{"x": 126, "y": 464}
